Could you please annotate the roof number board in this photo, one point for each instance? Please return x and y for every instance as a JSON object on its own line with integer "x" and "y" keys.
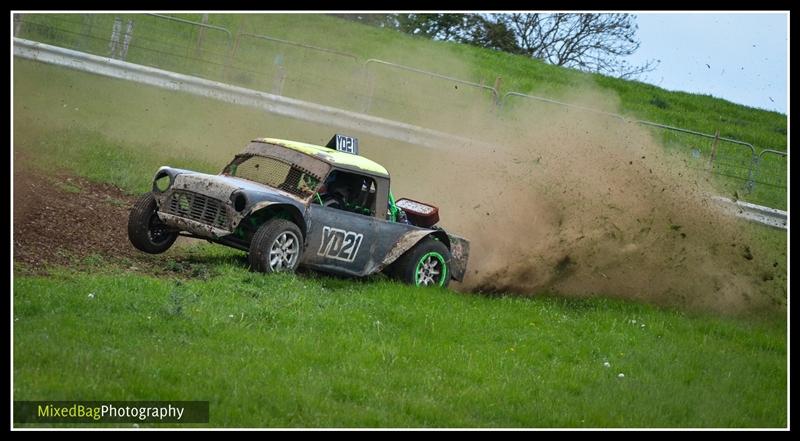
{"x": 343, "y": 143}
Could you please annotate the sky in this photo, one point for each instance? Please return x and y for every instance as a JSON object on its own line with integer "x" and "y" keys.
{"x": 740, "y": 57}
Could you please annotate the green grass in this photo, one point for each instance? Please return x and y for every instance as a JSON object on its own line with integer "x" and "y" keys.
{"x": 343, "y": 82}
{"x": 97, "y": 158}
{"x": 68, "y": 187}
{"x": 312, "y": 351}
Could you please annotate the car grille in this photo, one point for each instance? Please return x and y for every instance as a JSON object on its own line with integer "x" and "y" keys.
{"x": 197, "y": 207}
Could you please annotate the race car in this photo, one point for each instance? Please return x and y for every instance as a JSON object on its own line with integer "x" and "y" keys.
{"x": 289, "y": 203}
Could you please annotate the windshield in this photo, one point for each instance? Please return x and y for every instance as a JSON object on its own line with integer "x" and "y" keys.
{"x": 274, "y": 173}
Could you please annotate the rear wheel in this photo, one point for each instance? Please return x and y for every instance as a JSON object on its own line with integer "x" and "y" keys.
{"x": 427, "y": 264}
{"x": 146, "y": 231}
{"x": 276, "y": 247}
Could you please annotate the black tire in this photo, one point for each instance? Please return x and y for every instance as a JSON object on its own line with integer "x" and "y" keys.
{"x": 145, "y": 230}
{"x": 411, "y": 267}
{"x": 266, "y": 247}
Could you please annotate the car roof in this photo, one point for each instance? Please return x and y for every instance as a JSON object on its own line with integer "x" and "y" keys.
{"x": 335, "y": 157}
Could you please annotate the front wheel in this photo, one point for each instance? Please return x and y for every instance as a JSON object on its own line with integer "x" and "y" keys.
{"x": 276, "y": 247}
{"x": 146, "y": 231}
{"x": 427, "y": 264}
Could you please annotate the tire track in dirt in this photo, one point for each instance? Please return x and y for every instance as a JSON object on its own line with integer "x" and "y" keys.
{"x": 61, "y": 218}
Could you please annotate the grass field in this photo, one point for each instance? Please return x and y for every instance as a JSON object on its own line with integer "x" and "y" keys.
{"x": 313, "y": 351}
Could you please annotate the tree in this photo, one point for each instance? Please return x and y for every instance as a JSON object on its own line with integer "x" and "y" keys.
{"x": 589, "y": 42}
{"x": 377, "y": 20}
{"x": 444, "y": 27}
{"x": 475, "y": 29}
{"x": 491, "y": 34}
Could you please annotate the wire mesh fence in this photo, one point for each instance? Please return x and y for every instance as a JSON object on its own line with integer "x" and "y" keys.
{"x": 377, "y": 87}
{"x": 182, "y": 47}
{"x": 730, "y": 163}
{"x": 770, "y": 179}
{"x": 417, "y": 96}
{"x": 297, "y": 70}
{"x": 739, "y": 169}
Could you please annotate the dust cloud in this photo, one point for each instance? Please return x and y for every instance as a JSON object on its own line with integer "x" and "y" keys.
{"x": 562, "y": 201}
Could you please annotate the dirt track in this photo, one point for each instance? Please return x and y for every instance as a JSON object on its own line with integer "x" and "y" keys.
{"x": 61, "y": 218}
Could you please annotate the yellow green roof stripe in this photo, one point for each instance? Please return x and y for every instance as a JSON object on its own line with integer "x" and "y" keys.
{"x": 329, "y": 155}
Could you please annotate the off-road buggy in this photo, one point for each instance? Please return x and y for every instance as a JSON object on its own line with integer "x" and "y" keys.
{"x": 289, "y": 203}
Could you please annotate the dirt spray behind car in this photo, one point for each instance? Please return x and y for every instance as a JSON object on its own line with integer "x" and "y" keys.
{"x": 565, "y": 202}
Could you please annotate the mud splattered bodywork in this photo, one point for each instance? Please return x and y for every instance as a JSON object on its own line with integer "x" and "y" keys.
{"x": 459, "y": 248}
{"x": 276, "y": 178}
{"x": 205, "y": 205}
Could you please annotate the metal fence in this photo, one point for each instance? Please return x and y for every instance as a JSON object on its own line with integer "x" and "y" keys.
{"x": 377, "y": 87}
{"x": 420, "y": 96}
{"x": 297, "y": 70}
{"x": 770, "y": 178}
{"x": 183, "y": 46}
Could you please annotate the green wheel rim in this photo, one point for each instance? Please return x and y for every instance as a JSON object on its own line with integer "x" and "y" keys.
{"x": 430, "y": 266}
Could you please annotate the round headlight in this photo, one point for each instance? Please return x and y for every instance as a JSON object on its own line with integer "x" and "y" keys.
{"x": 162, "y": 181}
{"x": 239, "y": 201}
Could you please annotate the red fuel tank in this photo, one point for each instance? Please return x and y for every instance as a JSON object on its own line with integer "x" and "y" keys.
{"x": 419, "y": 213}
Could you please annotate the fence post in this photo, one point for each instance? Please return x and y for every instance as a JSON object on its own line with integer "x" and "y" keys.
{"x": 17, "y": 24}
{"x": 231, "y": 56}
{"x": 115, "y": 31}
{"x": 127, "y": 40}
{"x": 201, "y": 35}
{"x": 497, "y": 82}
{"x": 751, "y": 183}
{"x": 370, "y": 83}
{"x": 713, "y": 151}
{"x": 280, "y": 76}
